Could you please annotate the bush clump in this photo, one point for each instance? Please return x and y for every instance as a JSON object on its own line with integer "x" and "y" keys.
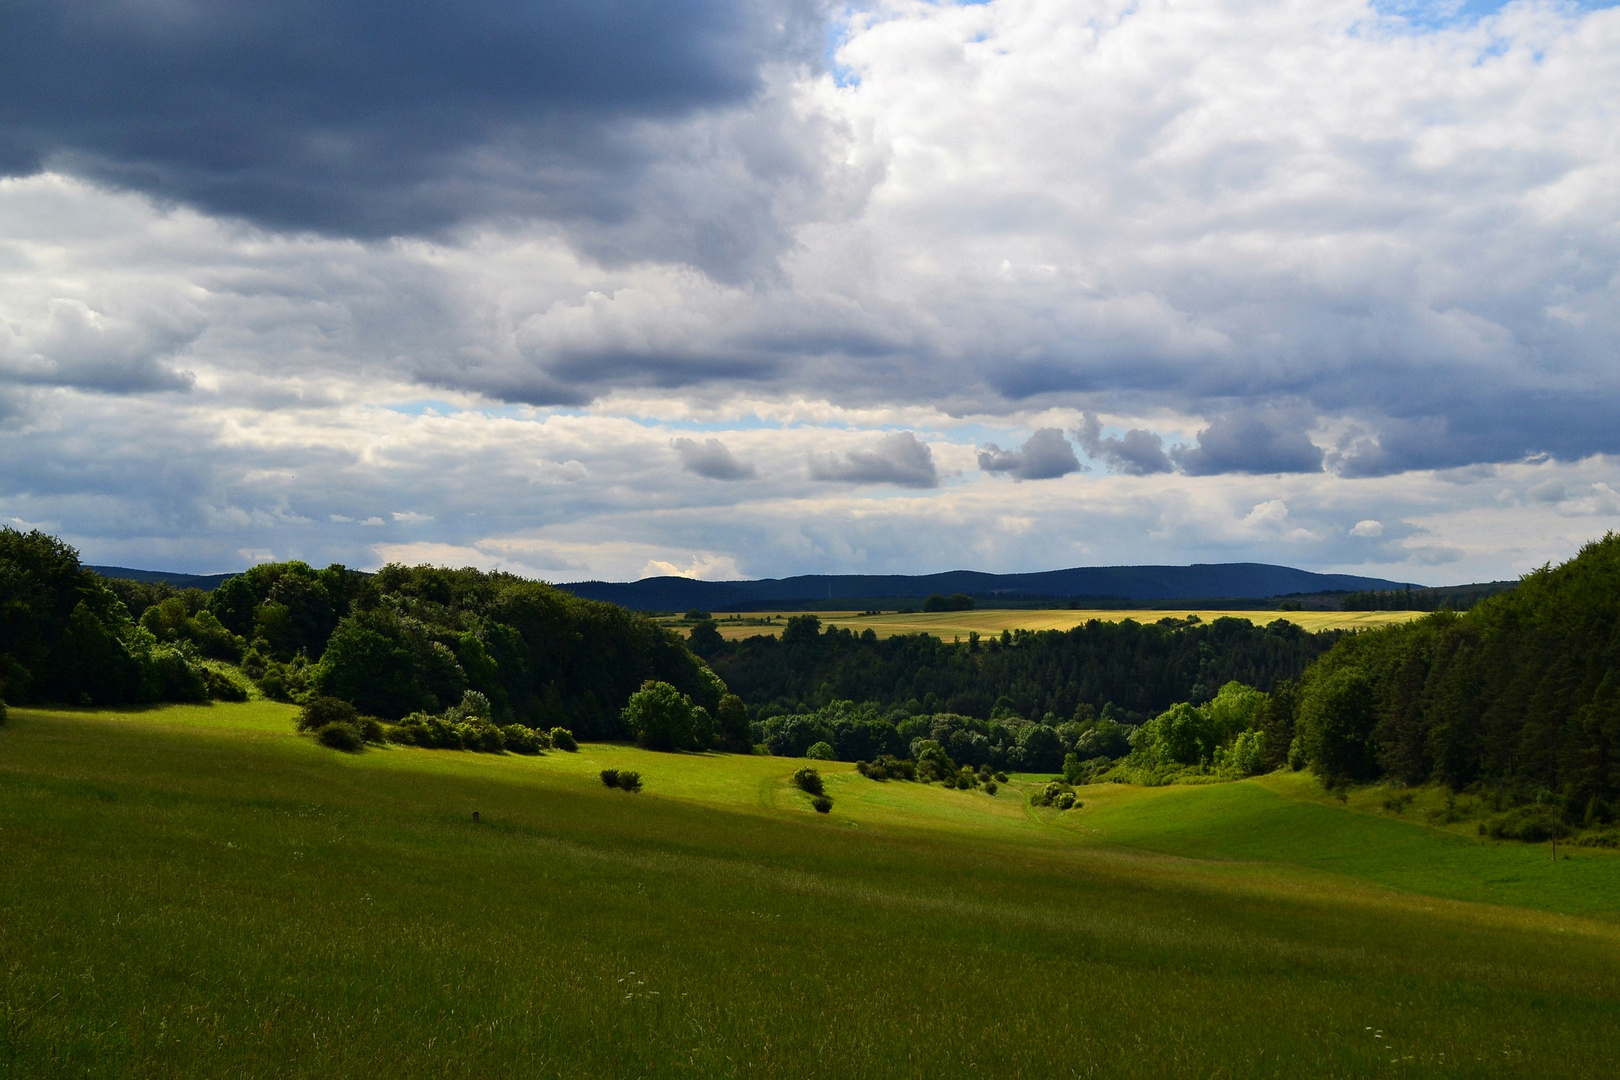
{"x": 222, "y": 687}
{"x": 320, "y": 711}
{"x": 887, "y": 767}
{"x": 624, "y": 780}
{"x": 340, "y": 736}
{"x": 563, "y": 739}
{"x": 822, "y": 804}
{"x": 809, "y": 781}
{"x": 1531, "y": 824}
{"x": 822, "y": 751}
{"x": 521, "y": 740}
{"x": 1057, "y": 795}
{"x": 990, "y": 787}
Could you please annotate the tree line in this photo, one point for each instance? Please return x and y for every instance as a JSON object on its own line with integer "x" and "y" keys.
{"x": 1520, "y": 694}
{"x": 1047, "y": 676}
{"x": 404, "y": 640}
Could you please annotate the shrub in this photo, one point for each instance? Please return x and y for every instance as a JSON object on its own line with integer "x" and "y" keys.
{"x": 428, "y": 731}
{"x": 1001, "y": 778}
{"x": 322, "y": 710}
{"x": 370, "y": 729}
{"x": 887, "y": 767}
{"x": 481, "y": 735}
{"x": 610, "y": 778}
{"x": 629, "y": 781}
{"x": 822, "y": 804}
{"x": 340, "y": 736}
{"x": 520, "y": 740}
{"x": 807, "y": 779}
{"x": 990, "y": 787}
{"x": 1530, "y": 824}
{"x": 1052, "y": 795}
{"x": 222, "y": 687}
{"x": 822, "y": 751}
{"x": 967, "y": 779}
{"x": 563, "y": 739}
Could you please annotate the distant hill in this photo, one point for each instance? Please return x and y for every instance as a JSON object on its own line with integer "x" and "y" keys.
{"x": 205, "y": 582}
{"x": 1201, "y": 581}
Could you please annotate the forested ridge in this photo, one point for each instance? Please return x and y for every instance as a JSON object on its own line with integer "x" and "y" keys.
{"x": 1140, "y": 668}
{"x": 403, "y": 640}
{"x": 1520, "y": 694}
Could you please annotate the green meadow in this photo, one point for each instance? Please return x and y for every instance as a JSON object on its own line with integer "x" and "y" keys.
{"x": 199, "y": 891}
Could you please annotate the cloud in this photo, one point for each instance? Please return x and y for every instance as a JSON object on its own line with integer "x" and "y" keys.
{"x": 711, "y": 459}
{"x": 1045, "y": 455}
{"x": 1257, "y": 442}
{"x": 1367, "y": 527}
{"x": 898, "y": 458}
{"x": 71, "y": 344}
{"x": 1137, "y": 453}
{"x": 358, "y": 118}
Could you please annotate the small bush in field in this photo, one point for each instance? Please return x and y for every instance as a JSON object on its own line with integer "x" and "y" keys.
{"x": 990, "y": 787}
{"x": 822, "y": 804}
{"x": 1001, "y": 778}
{"x": 1056, "y": 794}
{"x": 370, "y": 729}
{"x": 821, "y": 751}
{"x": 563, "y": 739}
{"x": 520, "y": 740}
{"x": 321, "y": 711}
{"x": 610, "y": 778}
{"x": 629, "y": 781}
{"x": 807, "y": 779}
{"x": 339, "y": 736}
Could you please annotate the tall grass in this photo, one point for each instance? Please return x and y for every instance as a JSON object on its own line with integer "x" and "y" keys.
{"x": 203, "y": 893}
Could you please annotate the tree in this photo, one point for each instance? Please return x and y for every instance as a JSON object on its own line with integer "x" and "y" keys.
{"x": 705, "y": 639}
{"x": 732, "y": 719}
{"x": 1336, "y": 720}
{"x": 371, "y": 669}
{"x": 661, "y": 717}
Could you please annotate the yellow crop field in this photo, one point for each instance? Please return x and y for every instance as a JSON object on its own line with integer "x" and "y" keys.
{"x": 951, "y": 624}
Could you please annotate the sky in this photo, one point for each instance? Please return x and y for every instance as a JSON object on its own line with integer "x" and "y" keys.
{"x": 752, "y": 288}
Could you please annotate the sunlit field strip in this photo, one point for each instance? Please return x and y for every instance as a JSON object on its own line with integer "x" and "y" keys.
{"x": 954, "y": 624}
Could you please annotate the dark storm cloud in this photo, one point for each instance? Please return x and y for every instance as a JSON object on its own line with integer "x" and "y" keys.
{"x": 1044, "y": 456}
{"x": 1137, "y": 453}
{"x": 1270, "y": 441}
{"x": 898, "y": 458}
{"x": 711, "y": 458}
{"x": 363, "y": 118}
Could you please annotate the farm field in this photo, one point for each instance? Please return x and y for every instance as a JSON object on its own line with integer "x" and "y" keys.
{"x": 199, "y": 891}
{"x": 949, "y": 624}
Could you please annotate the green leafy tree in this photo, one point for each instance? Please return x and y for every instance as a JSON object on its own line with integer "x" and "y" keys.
{"x": 731, "y": 720}
{"x": 660, "y": 717}
{"x": 1336, "y": 721}
{"x": 704, "y": 638}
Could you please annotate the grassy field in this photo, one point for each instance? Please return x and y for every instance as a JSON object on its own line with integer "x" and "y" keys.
{"x": 198, "y": 891}
{"x": 950, "y": 624}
